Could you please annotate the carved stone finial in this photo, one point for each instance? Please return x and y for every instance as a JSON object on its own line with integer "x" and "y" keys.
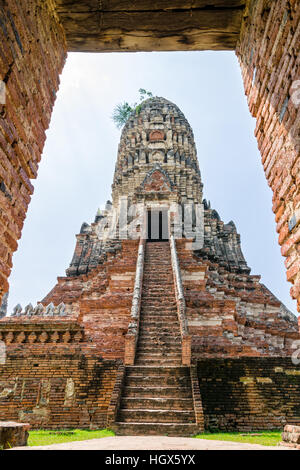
{"x": 50, "y": 310}
{"x": 28, "y": 310}
{"x": 61, "y": 309}
{"x": 39, "y": 309}
{"x": 17, "y": 311}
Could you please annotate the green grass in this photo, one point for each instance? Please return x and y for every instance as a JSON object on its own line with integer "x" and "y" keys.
{"x": 265, "y": 438}
{"x": 43, "y": 438}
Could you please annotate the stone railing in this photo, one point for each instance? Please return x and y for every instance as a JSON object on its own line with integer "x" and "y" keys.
{"x": 197, "y": 400}
{"x": 133, "y": 328}
{"x": 115, "y": 397}
{"x": 40, "y": 310}
{"x": 181, "y": 308}
{"x": 35, "y": 333}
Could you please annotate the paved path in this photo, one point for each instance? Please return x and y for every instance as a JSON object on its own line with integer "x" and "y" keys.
{"x": 152, "y": 443}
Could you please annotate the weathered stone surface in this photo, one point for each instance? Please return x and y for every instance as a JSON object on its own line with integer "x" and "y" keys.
{"x": 291, "y": 436}
{"x": 13, "y": 434}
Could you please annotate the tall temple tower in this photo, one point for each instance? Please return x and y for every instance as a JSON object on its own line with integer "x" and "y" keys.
{"x": 158, "y": 325}
{"x": 156, "y": 192}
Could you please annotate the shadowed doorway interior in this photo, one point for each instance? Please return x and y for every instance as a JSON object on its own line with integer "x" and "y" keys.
{"x": 157, "y": 228}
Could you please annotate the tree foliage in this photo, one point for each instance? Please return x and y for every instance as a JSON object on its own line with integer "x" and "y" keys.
{"x": 122, "y": 111}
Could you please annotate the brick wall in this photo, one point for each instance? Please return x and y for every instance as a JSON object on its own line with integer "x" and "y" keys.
{"x": 63, "y": 386}
{"x": 103, "y": 298}
{"x": 32, "y": 55}
{"x": 268, "y": 52}
{"x": 231, "y": 314}
{"x": 249, "y": 393}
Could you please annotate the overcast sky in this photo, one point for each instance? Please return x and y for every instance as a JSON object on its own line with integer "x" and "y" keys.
{"x": 77, "y": 167}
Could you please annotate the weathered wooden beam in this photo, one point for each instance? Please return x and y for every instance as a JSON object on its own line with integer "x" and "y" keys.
{"x": 202, "y": 42}
{"x": 164, "y": 31}
{"x": 74, "y": 6}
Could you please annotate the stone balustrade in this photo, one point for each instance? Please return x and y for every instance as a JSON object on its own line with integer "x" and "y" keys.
{"x": 186, "y": 339}
{"x": 39, "y": 334}
{"x": 133, "y": 327}
{"x": 40, "y": 310}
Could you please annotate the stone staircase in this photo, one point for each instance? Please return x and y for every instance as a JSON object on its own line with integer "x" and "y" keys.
{"x": 157, "y": 393}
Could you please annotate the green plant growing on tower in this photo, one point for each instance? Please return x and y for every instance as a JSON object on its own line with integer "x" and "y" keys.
{"x": 122, "y": 111}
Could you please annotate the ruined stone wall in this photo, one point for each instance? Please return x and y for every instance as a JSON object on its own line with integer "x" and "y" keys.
{"x": 249, "y": 393}
{"x": 103, "y": 298}
{"x": 58, "y": 386}
{"x": 230, "y": 313}
{"x": 268, "y": 52}
{"x": 32, "y": 55}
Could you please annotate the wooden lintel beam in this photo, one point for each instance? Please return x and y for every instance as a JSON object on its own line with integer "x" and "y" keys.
{"x": 163, "y": 30}
{"x": 64, "y": 6}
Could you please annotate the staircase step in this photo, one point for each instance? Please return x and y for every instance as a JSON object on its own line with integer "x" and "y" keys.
{"x": 158, "y": 355}
{"x": 154, "y": 310}
{"x": 181, "y": 371}
{"x": 158, "y": 324}
{"x": 158, "y": 381}
{"x": 159, "y": 392}
{"x": 155, "y": 429}
{"x": 183, "y": 404}
{"x": 159, "y": 362}
{"x": 159, "y": 349}
{"x": 156, "y": 316}
{"x": 155, "y": 416}
{"x": 153, "y": 336}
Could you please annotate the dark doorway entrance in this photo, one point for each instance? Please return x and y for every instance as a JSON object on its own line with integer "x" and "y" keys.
{"x": 157, "y": 226}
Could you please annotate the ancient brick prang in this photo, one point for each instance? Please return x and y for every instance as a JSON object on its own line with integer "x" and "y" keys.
{"x": 117, "y": 340}
{"x": 157, "y": 154}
